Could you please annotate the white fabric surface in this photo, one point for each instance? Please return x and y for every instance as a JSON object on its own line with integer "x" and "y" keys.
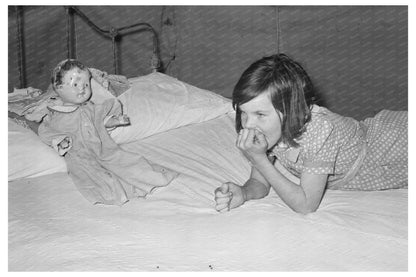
{"x": 157, "y": 102}
{"x": 28, "y": 156}
{"x": 176, "y": 228}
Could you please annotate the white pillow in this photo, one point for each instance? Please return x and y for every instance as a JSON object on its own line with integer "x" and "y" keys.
{"x": 29, "y": 156}
{"x": 99, "y": 93}
{"x": 157, "y": 102}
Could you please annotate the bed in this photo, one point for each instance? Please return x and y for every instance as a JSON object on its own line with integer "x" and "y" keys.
{"x": 52, "y": 227}
{"x": 176, "y": 228}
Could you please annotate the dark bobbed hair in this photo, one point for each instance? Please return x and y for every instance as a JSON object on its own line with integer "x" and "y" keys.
{"x": 290, "y": 89}
{"x": 64, "y": 66}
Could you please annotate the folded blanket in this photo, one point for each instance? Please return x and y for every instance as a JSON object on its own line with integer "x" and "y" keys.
{"x": 32, "y": 103}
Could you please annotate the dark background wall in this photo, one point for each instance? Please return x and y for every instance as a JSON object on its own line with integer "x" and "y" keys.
{"x": 357, "y": 56}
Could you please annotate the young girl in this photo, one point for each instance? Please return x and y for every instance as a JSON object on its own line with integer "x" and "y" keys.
{"x": 278, "y": 122}
{"x": 77, "y": 130}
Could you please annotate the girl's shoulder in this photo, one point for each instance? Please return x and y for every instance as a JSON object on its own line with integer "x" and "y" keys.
{"x": 325, "y": 123}
{"x": 320, "y": 117}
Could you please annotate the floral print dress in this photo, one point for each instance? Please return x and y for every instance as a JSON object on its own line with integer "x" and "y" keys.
{"x": 367, "y": 155}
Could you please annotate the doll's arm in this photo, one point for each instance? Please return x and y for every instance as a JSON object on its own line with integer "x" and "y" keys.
{"x": 113, "y": 114}
{"x": 58, "y": 140}
{"x": 114, "y": 121}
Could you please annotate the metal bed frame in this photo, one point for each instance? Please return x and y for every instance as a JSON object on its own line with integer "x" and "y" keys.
{"x": 112, "y": 33}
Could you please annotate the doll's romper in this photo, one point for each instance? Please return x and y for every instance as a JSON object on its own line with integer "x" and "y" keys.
{"x": 366, "y": 155}
{"x": 102, "y": 171}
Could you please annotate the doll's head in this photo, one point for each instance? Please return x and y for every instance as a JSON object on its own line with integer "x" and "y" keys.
{"x": 71, "y": 81}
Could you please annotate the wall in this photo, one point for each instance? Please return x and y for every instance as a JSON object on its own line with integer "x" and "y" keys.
{"x": 356, "y": 56}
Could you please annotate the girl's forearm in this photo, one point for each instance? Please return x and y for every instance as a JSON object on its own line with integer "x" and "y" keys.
{"x": 254, "y": 189}
{"x": 292, "y": 194}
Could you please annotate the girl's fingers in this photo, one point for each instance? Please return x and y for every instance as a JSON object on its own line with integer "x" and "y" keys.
{"x": 243, "y": 138}
{"x": 261, "y": 138}
{"x": 250, "y": 138}
{"x": 222, "y": 190}
{"x": 223, "y": 198}
{"x": 221, "y": 207}
{"x": 238, "y": 141}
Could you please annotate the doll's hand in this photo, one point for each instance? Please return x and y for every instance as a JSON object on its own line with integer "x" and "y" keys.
{"x": 124, "y": 120}
{"x": 252, "y": 143}
{"x": 228, "y": 196}
{"x": 64, "y": 146}
{"x": 115, "y": 121}
{"x": 65, "y": 143}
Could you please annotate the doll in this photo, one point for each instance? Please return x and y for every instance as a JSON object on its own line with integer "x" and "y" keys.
{"x": 78, "y": 130}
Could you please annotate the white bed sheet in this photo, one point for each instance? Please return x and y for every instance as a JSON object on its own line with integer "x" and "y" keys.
{"x": 176, "y": 228}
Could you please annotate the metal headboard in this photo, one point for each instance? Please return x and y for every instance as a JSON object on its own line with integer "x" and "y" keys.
{"x": 113, "y": 33}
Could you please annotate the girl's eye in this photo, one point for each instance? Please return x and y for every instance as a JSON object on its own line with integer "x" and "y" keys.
{"x": 261, "y": 115}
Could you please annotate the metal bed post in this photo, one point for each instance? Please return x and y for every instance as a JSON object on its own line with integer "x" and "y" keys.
{"x": 20, "y": 45}
{"x": 70, "y": 31}
{"x": 113, "y": 33}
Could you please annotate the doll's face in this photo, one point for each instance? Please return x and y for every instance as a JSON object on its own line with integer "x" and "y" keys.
{"x": 75, "y": 87}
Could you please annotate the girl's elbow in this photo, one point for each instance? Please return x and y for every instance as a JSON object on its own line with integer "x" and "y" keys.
{"x": 305, "y": 209}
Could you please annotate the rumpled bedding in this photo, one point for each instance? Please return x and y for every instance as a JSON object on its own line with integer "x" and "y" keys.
{"x": 176, "y": 228}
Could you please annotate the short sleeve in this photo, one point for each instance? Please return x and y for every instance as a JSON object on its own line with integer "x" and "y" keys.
{"x": 320, "y": 149}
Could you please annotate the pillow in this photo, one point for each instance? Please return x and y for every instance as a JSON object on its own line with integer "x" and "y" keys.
{"x": 157, "y": 102}
{"x": 29, "y": 156}
{"x": 99, "y": 93}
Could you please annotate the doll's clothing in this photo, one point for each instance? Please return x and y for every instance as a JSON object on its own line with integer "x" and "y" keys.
{"x": 102, "y": 171}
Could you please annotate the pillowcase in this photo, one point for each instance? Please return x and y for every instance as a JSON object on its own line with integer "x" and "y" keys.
{"x": 99, "y": 93}
{"x": 157, "y": 102}
{"x": 29, "y": 156}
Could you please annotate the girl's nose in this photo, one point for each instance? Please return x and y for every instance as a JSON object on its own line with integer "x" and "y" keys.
{"x": 250, "y": 123}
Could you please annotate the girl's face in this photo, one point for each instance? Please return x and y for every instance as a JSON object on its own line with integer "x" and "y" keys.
{"x": 259, "y": 113}
{"x": 75, "y": 87}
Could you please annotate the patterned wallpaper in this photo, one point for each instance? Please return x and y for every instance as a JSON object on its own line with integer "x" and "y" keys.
{"x": 356, "y": 56}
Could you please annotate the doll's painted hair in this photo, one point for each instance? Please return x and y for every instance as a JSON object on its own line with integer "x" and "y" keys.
{"x": 290, "y": 89}
{"x": 64, "y": 66}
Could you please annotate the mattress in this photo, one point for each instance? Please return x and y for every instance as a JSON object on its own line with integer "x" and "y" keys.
{"x": 176, "y": 228}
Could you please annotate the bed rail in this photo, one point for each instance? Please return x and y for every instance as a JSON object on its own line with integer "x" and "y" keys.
{"x": 112, "y": 33}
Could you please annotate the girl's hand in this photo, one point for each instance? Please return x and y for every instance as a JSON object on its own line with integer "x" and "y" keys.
{"x": 253, "y": 143}
{"x": 228, "y": 196}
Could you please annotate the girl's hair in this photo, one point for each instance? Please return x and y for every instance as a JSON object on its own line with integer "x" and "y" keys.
{"x": 291, "y": 93}
{"x": 64, "y": 66}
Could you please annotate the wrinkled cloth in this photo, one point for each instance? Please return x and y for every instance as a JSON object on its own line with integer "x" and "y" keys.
{"x": 332, "y": 144}
{"x": 102, "y": 171}
{"x": 32, "y": 103}
{"x": 116, "y": 84}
